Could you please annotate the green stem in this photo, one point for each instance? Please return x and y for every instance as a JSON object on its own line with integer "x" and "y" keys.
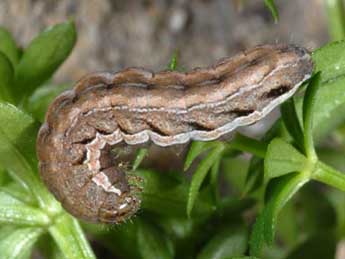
{"x": 328, "y": 175}
{"x": 70, "y": 238}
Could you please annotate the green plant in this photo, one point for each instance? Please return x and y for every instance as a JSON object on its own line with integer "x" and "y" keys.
{"x": 183, "y": 218}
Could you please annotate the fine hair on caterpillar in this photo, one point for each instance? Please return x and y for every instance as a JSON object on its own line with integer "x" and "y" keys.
{"x": 83, "y": 126}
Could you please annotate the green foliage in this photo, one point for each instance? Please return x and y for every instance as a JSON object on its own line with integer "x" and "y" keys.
{"x": 27, "y": 209}
{"x": 8, "y": 46}
{"x": 336, "y": 18}
{"x": 230, "y": 241}
{"x": 273, "y": 9}
{"x": 210, "y": 215}
{"x": 42, "y": 57}
{"x": 7, "y": 75}
{"x": 153, "y": 243}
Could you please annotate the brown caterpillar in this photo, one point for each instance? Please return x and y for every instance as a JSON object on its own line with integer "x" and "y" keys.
{"x": 135, "y": 106}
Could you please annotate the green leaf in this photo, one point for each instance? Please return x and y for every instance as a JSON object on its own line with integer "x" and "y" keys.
{"x": 165, "y": 194}
{"x": 153, "y": 243}
{"x": 255, "y": 175}
{"x": 40, "y": 100}
{"x": 18, "y": 192}
{"x": 226, "y": 243}
{"x": 200, "y": 174}
{"x": 8, "y": 46}
{"x": 20, "y": 130}
{"x": 308, "y": 112}
{"x": 195, "y": 150}
{"x": 8, "y": 200}
{"x": 173, "y": 61}
{"x": 330, "y": 106}
{"x": 23, "y": 215}
{"x": 18, "y": 243}
{"x": 272, "y": 7}
{"x": 336, "y": 19}
{"x": 6, "y": 78}
{"x": 292, "y": 123}
{"x": 330, "y": 60}
{"x": 280, "y": 191}
{"x": 250, "y": 145}
{"x": 235, "y": 173}
{"x": 17, "y": 138}
{"x": 17, "y": 152}
{"x": 141, "y": 154}
{"x": 4, "y": 176}
{"x": 70, "y": 238}
{"x": 281, "y": 159}
{"x": 214, "y": 180}
{"x": 43, "y": 56}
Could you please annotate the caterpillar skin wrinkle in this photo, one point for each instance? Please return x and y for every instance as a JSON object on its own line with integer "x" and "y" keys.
{"x": 135, "y": 105}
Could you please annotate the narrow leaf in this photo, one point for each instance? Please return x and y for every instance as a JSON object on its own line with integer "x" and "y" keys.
{"x": 39, "y": 101}
{"x": 18, "y": 243}
{"x": 6, "y": 78}
{"x": 308, "y": 112}
{"x": 18, "y": 192}
{"x": 164, "y": 194}
{"x": 292, "y": 123}
{"x": 195, "y": 150}
{"x": 214, "y": 180}
{"x": 139, "y": 158}
{"x": 280, "y": 191}
{"x": 246, "y": 144}
{"x": 17, "y": 152}
{"x": 281, "y": 159}
{"x": 200, "y": 174}
{"x": 23, "y": 215}
{"x": 173, "y": 61}
{"x": 8, "y": 46}
{"x": 70, "y": 238}
{"x": 20, "y": 130}
{"x": 43, "y": 56}
{"x": 273, "y": 9}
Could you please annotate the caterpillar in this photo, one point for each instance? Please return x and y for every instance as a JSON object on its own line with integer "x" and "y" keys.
{"x": 135, "y": 106}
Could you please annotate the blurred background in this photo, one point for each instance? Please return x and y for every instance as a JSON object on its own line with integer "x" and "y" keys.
{"x": 114, "y": 34}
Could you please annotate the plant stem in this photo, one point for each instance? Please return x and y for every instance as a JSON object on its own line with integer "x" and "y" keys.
{"x": 329, "y": 176}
